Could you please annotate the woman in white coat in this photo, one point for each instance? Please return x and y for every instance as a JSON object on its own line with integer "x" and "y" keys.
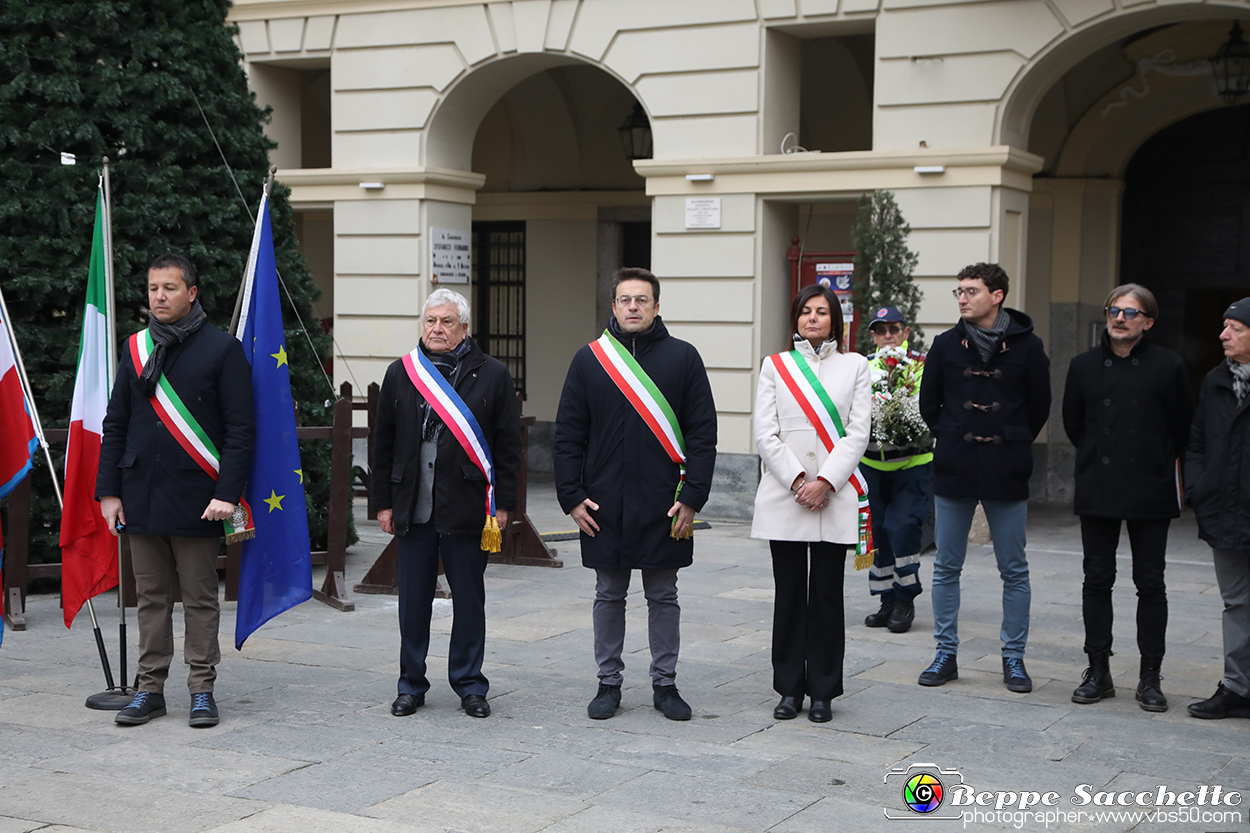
{"x": 805, "y": 500}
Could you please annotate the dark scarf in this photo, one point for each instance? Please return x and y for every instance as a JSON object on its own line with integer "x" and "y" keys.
{"x": 1241, "y": 379}
{"x": 986, "y": 340}
{"x": 447, "y": 363}
{"x": 165, "y": 336}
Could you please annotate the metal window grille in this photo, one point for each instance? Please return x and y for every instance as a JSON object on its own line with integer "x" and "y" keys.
{"x": 499, "y": 294}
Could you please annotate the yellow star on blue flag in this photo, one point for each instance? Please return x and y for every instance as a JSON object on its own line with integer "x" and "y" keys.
{"x": 274, "y": 500}
{"x": 280, "y": 355}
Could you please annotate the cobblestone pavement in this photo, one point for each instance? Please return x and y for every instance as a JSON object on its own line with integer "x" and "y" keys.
{"x": 307, "y": 744}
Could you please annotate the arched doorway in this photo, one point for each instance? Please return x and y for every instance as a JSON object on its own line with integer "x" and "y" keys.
{"x": 1187, "y": 228}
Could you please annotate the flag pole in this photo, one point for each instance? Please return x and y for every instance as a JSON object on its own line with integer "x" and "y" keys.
{"x": 238, "y": 299}
{"x": 116, "y": 696}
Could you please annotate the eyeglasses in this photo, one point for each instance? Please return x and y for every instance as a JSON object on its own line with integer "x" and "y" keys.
{"x": 640, "y": 300}
{"x": 1129, "y": 312}
{"x": 892, "y": 329}
{"x": 970, "y": 291}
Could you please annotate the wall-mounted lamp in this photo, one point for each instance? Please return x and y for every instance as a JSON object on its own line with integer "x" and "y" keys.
{"x": 930, "y": 169}
{"x": 373, "y": 186}
{"x": 700, "y": 177}
{"x": 1231, "y": 66}
{"x": 635, "y": 132}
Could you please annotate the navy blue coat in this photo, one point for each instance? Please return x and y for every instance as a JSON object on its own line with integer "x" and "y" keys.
{"x": 604, "y": 451}
{"x": 1217, "y": 464}
{"x": 486, "y": 387}
{"x": 985, "y": 415}
{"x": 162, "y": 489}
{"x": 1128, "y": 417}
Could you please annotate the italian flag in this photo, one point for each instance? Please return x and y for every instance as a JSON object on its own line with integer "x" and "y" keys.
{"x": 88, "y": 547}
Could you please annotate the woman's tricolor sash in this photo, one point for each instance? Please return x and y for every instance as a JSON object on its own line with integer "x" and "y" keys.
{"x": 459, "y": 420}
{"x": 190, "y": 435}
{"x": 816, "y": 403}
{"x": 625, "y": 372}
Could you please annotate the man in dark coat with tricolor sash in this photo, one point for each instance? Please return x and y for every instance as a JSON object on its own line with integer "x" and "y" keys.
{"x": 635, "y": 447}
{"x": 446, "y": 453}
{"x": 174, "y": 457}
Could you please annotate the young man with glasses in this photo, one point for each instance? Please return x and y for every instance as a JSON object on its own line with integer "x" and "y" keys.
{"x": 899, "y": 479}
{"x": 635, "y": 446}
{"x": 1127, "y": 407}
{"x": 985, "y": 395}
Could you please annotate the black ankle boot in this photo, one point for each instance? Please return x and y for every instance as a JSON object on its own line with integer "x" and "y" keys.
{"x": 1149, "y": 691}
{"x": 1096, "y": 684}
{"x": 882, "y": 617}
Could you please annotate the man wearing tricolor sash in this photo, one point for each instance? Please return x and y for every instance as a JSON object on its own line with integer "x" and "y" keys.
{"x": 446, "y": 456}
{"x": 174, "y": 458}
{"x": 635, "y": 446}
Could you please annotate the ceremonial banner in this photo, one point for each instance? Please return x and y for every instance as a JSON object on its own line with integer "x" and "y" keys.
{"x": 88, "y": 547}
{"x": 17, "y": 432}
{"x": 276, "y": 573}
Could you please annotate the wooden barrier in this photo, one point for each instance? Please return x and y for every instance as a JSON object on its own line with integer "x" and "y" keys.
{"x": 18, "y": 571}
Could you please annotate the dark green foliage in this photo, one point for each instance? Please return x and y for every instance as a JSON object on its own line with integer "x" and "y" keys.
{"x": 883, "y": 267}
{"x": 120, "y": 79}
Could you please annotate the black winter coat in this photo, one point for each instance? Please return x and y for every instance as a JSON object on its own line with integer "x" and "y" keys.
{"x": 985, "y": 415}
{"x": 1129, "y": 420}
{"x": 162, "y": 489}
{"x": 1217, "y": 464}
{"x": 604, "y": 451}
{"x": 486, "y": 387}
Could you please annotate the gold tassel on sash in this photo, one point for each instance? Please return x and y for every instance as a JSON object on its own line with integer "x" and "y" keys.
{"x": 492, "y": 535}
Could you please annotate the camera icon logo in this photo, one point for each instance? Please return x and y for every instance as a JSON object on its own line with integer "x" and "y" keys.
{"x": 923, "y": 790}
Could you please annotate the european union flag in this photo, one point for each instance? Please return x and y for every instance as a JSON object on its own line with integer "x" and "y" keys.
{"x": 276, "y": 573}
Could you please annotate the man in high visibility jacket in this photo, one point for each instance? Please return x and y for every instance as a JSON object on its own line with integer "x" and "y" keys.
{"x": 900, "y": 479}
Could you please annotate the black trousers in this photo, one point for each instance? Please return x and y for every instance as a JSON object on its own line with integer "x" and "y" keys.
{"x": 1148, "y": 540}
{"x": 464, "y": 564}
{"x": 809, "y": 634}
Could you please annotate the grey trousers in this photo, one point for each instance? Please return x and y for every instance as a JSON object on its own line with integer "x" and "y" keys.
{"x": 1232, "y": 572}
{"x": 159, "y": 561}
{"x": 663, "y": 623}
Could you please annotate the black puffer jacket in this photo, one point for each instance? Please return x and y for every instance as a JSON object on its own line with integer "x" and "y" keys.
{"x": 459, "y": 488}
{"x": 1217, "y": 464}
{"x": 1128, "y": 417}
{"x": 985, "y": 415}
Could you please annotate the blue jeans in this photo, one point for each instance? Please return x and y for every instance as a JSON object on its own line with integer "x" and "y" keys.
{"x": 900, "y": 503}
{"x": 953, "y": 519}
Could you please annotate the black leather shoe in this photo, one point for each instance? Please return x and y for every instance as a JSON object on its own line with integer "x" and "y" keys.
{"x": 902, "y": 616}
{"x": 203, "y": 711}
{"x": 145, "y": 706}
{"x": 606, "y": 702}
{"x": 820, "y": 711}
{"x": 475, "y": 705}
{"x": 1224, "y": 703}
{"x": 1096, "y": 682}
{"x": 1149, "y": 689}
{"x": 943, "y": 670}
{"x": 788, "y": 708}
{"x": 406, "y": 704}
{"x": 668, "y": 700}
{"x": 882, "y": 617}
{"x": 1015, "y": 677}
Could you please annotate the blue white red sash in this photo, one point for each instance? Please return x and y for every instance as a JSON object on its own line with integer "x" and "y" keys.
{"x": 820, "y": 410}
{"x": 459, "y": 420}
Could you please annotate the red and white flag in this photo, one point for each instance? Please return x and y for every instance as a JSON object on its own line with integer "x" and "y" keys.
{"x": 88, "y": 548}
{"x": 17, "y": 430}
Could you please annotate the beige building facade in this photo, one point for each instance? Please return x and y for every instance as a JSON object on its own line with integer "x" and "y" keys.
{"x": 1044, "y": 135}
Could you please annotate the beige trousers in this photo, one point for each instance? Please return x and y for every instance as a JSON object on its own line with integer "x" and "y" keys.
{"x": 159, "y": 561}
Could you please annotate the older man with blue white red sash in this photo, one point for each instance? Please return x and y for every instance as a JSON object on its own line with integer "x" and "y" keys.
{"x": 446, "y": 452}
{"x": 635, "y": 446}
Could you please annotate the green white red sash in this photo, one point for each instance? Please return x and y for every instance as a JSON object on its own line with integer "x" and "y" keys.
{"x": 817, "y": 405}
{"x": 189, "y": 434}
{"x": 459, "y": 420}
{"x": 637, "y": 387}
{"x": 643, "y": 394}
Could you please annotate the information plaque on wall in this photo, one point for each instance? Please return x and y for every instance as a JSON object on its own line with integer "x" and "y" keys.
{"x": 450, "y": 255}
{"x": 702, "y": 212}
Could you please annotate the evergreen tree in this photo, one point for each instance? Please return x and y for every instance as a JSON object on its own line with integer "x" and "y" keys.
{"x": 127, "y": 79}
{"x": 883, "y": 267}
